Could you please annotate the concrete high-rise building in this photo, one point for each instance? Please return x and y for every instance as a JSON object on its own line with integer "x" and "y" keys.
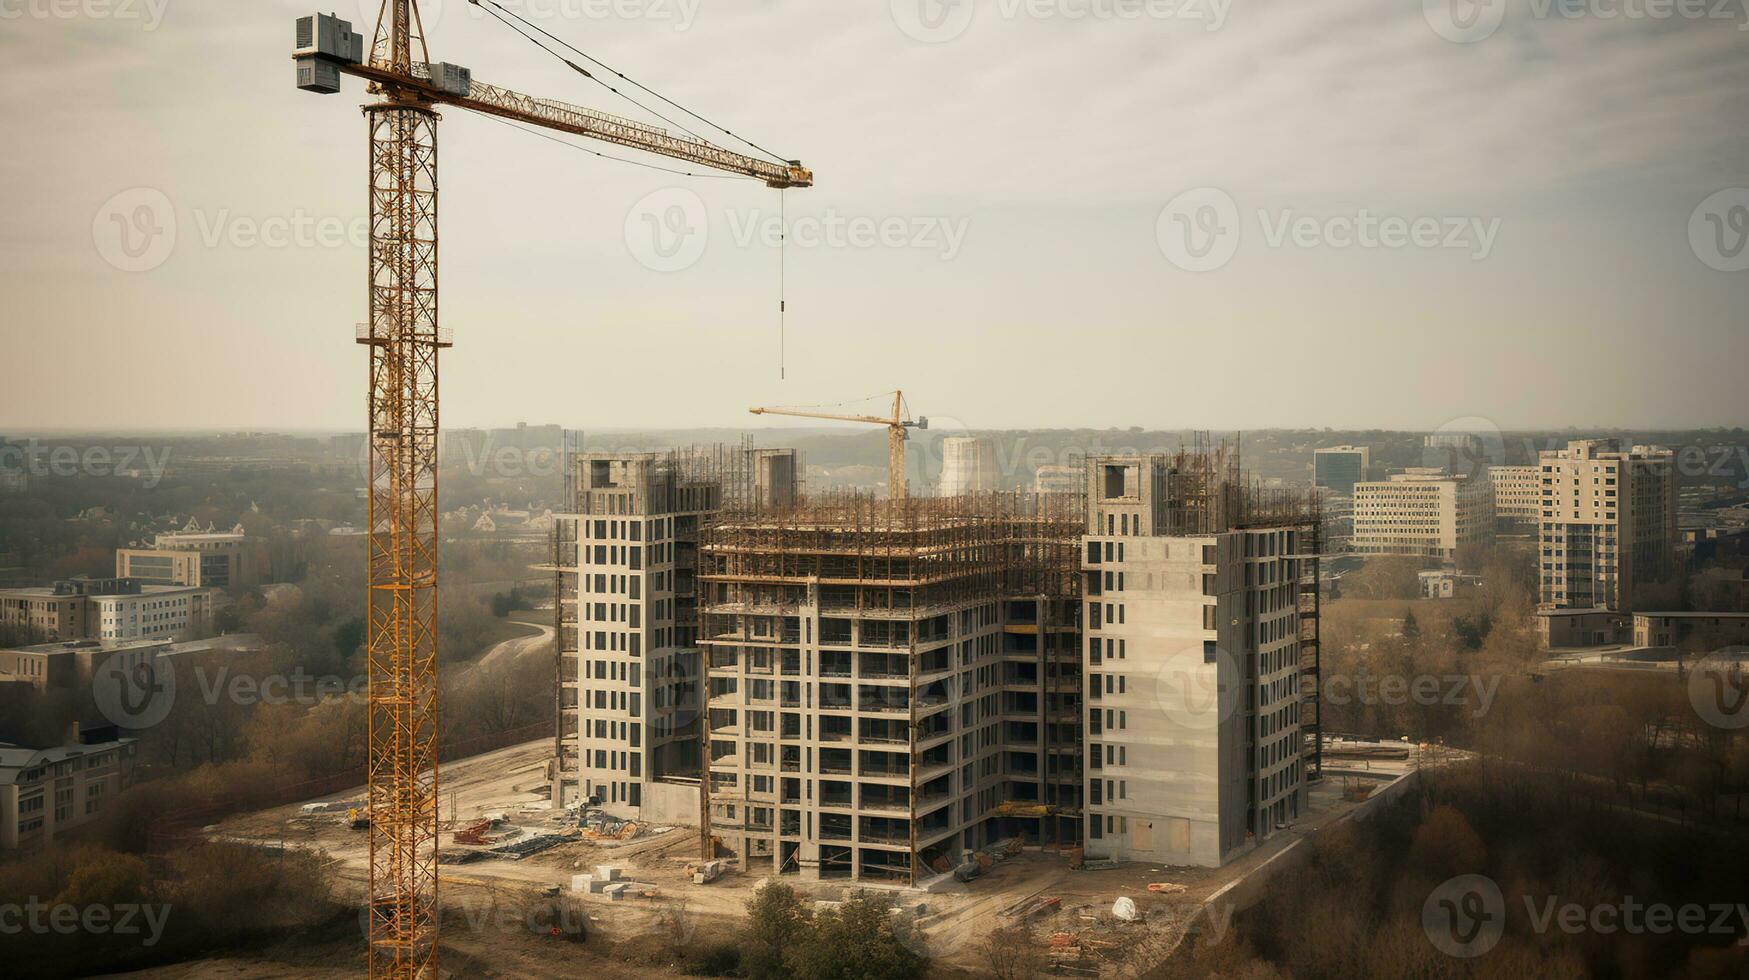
{"x": 1518, "y": 495}
{"x": 1423, "y": 513}
{"x": 1339, "y": 468}
{"x": 968, "y": 465}
{"x": 1608, "y": 525}
{"x": 626, "y": 562}
{"x": 891, "y": 683}
{"x": 1201, "y": 628}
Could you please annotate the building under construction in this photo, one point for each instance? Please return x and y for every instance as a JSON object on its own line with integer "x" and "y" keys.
{"x": 1201, "y": 666}
{"x": 891, "y": 683}
{"x": 625, "y": 561}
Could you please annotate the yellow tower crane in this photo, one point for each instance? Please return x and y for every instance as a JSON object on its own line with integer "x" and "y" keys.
{"x": 896, "y": 425}
{"x": 403, "y": 337}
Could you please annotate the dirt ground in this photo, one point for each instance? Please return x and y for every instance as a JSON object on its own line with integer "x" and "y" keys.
{"x": 495, "y": 913}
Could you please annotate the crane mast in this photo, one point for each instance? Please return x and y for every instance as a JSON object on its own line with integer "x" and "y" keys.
{"x": 403, "y": 340}
{"x": 404, "y": 337}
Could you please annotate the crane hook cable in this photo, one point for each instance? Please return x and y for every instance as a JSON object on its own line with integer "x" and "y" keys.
{"x": 604, "y": 67}
{"x": 782, "y": 289}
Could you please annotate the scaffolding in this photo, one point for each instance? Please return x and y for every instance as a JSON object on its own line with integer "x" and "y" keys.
{"x": 898, "y": 567}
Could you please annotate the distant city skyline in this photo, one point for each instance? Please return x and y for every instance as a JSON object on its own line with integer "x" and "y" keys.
{"x": 1284, "y": 216}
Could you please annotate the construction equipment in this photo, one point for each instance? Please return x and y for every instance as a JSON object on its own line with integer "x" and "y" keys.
{"x": 896, "y": 435}
{"x": 358, "y": 819}
{"x": 403, "y": 335}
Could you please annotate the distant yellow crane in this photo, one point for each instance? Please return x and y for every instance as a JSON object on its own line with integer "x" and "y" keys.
{"x": 896, "y": 435}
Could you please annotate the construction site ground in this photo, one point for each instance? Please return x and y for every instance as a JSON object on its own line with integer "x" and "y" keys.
{"x": 664, "y": 912}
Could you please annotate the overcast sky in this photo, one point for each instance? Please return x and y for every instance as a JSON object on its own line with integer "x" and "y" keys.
{"x": 1028, "y": 213}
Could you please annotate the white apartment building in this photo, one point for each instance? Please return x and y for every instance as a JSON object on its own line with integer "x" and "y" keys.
{"x": 155, "y": 612}
{"x": 626, "y": 560}
{"x": 1518, "y": 495}
{"x": 1193, "y": 663}
{"x": 968, "y": 465}
{"x": 1608, "y": 524}
{"x": 1423, "y": 513}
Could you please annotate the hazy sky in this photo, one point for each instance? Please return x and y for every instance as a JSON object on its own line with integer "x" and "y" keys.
{"x": 1028, "y": 213}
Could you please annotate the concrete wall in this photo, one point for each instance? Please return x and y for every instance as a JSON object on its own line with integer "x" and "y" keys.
{"x": 670, "y": 803}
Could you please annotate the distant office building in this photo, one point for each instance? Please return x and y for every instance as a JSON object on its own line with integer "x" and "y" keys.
{"x": 44, "y": 792}
{"x": 968, "y": 465}
{"x": 223, "y": 561}
{"x": 1193, "y": 660}
{"x": 1608, "y": 524}
{"x": 55, "y": 612}
{"x": 1059, "y": 479}
{"x": 1339, "y": 468}
{"x": 1518, "y": 495}
{"x": 1423, "y": 513}
{"x": 111, "y": 610}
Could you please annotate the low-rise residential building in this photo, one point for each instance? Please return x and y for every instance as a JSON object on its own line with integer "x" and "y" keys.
{"x": 155, "y": 612}
{"x": 1423, "y": 513}
{"x": 70, "y": 664}
{"x": 1713, "y": 629}
{"x": 1560, "y": 629}
{"x": 44, "y": 792}
{"x": 1444, "y": 583}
